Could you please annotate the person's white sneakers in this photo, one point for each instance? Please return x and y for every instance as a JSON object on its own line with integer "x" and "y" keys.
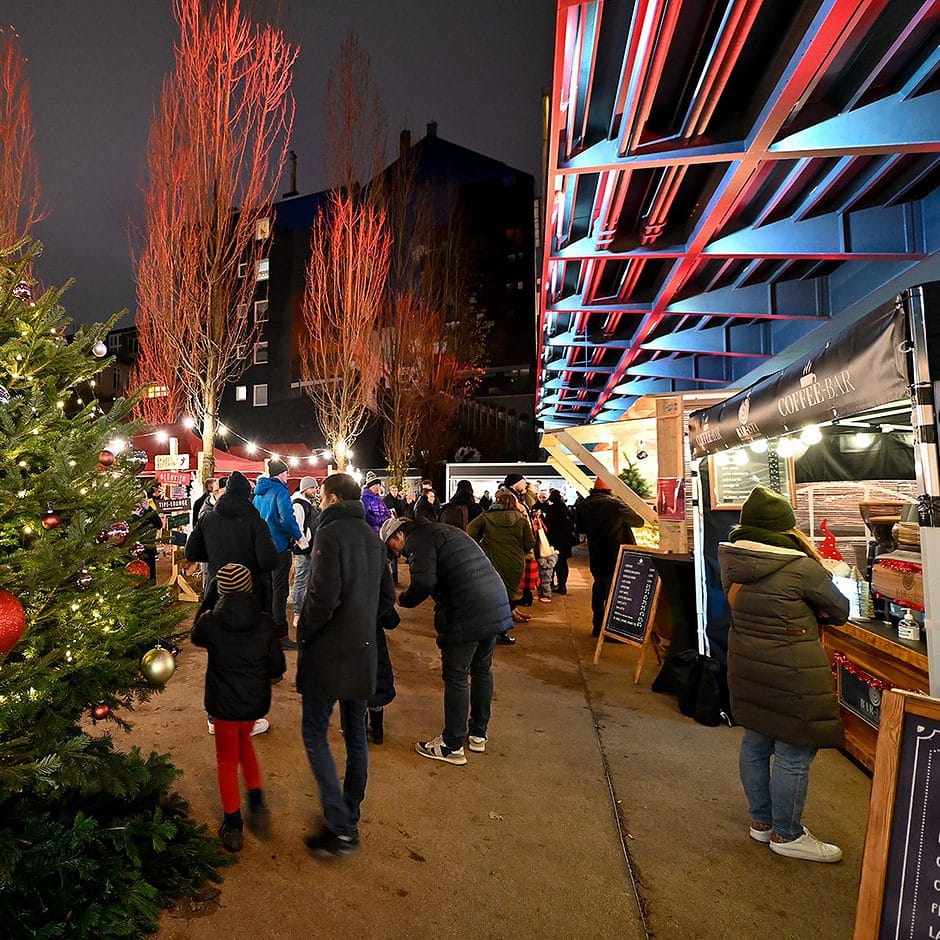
{"x": 211, "y": 726}
{"x": 261, "y": 725}
{"x": 808, "y": 848}
{"x": 476, "y": 744}
{"x": 438, "y": 750}
{"x": 759, "y": 835}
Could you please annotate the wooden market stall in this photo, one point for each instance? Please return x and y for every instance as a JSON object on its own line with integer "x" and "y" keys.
{"x": 849, "y": 435}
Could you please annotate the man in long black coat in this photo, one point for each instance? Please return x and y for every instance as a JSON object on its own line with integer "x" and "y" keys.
{"x": 607, "y": 522}
{"x": 471, "y": 608}
{"x": 350, "y": 588}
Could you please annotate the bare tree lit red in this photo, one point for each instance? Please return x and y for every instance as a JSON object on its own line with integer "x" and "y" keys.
{"x": 217, "y": 149}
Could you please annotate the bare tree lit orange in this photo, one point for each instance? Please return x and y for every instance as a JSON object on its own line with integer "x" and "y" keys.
{"x": 217, "y": 149}
{"x": 19, "y": 171}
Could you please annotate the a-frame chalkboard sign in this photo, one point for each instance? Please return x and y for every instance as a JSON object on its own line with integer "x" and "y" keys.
{"x": 632, "y": 602}
{"x": 899, "y": 895}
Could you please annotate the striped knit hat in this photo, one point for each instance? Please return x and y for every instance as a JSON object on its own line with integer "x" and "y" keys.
{"x": 234, "y": 579}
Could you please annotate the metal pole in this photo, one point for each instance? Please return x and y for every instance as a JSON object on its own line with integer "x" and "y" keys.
{"x": 924, "y": 422}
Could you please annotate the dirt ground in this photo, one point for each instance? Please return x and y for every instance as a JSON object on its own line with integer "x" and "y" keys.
{"x": 597, "y": 811}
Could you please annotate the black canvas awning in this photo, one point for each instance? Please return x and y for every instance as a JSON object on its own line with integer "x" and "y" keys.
{"x": 859, "y": 368}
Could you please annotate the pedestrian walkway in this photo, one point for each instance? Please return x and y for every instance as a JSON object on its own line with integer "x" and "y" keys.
{"x": 523, "y": 841}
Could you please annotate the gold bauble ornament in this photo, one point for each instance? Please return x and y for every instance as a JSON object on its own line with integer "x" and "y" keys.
{"x": 157, "y": 665}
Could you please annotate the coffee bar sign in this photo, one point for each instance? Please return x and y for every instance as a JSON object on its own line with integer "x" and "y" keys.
{"x": 859, "y": 368}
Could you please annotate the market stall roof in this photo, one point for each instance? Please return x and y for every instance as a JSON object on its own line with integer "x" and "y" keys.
{"x": 155, "y": 441}
{"x": 858, "y": 369}
{"x": 723, "y": 179}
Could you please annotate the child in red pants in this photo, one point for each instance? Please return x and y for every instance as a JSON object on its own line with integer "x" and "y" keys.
{"x": 245, "y": 657}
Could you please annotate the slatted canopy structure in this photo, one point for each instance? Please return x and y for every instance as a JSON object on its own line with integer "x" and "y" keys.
{"x": 724, "y": 178}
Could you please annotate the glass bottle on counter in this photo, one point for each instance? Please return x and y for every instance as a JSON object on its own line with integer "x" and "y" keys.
{"x": 908, "y": 627}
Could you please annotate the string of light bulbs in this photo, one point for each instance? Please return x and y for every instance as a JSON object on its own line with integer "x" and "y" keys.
{"x": 223, "y": 430}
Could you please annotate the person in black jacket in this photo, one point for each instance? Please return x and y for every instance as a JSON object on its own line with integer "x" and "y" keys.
{"x": 561, "y": 533}
{"x": 462, "y": 506}
{"x": 607, "y": 522}
{"x": 235, "y": 533}
{"x": 471, "y": 607}
{"x": 245, "y": 657}
{"x": 427, "y": 508}
{"x": 350, "y": 591}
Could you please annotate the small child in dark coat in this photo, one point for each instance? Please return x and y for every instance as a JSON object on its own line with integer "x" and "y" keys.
{"x": 245, "y": 657}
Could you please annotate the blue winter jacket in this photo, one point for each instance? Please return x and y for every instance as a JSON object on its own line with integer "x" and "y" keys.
{"x": 272, "y": 500}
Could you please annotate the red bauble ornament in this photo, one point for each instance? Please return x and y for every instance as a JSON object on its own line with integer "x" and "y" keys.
{"x": 12, "y": 621}
{"x": 105, "y": 458}
{"x": 84, "y": 579}
{"x": 117, "y": 533}
{"x": 101, "y": 711}
{"x": 138, "y": 569}
{"x": 51, "y": 520}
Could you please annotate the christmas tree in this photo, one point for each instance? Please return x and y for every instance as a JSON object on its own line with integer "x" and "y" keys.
{"x": 92, "y": 841}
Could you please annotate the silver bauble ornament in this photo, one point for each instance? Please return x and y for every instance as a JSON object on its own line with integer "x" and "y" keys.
{"x": 100, "y": 350}
{"x": 157, "y": 665}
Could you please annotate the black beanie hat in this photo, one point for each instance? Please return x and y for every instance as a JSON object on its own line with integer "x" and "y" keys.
{"x": 512, "y": 479}
{"x": 276, "y": 467}
{"x": 238, "y": 485}
{"x": 766, "y": 509}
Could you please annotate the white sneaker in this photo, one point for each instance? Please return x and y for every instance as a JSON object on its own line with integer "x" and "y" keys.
{"x": 808, "y": 848}
{"x": 211, "y": 725}
{"x": 438, "y": 750}
{"x": 759, "y": 835}
{"x": 261, "y": 725}
{"x": 477, "y": 744}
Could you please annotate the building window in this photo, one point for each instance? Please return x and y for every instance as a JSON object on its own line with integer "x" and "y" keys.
{"x": 261, "y": 311}
{"x": 261, "y": 354}
{"x": 243, "y": 269}
{"x": 264, "y": 269}
{"x": 262, "y": 229}
{"x": 241, "y": 393}
{"x": 156, "y": 391}
{"x": 241, "y": 313}
{"x": 241, "y": 351}
{"x": 261, "y": 395}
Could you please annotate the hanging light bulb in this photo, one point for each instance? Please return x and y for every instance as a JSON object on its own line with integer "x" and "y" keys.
{"x": 252, "y": 447}
{"x": 741, "y": 458}
{"x": 863, "y": 439}
{"x": 222, "y": 430}
{"x": 785, "y": 447}
{"x": 722, "y": 459}
{"x": 188, "y": 423}
{"x": 162, "y": 437}
{"x": 811, "y": 435}
{"x": 327, "y": 455}
{"x": 759, "y": 447}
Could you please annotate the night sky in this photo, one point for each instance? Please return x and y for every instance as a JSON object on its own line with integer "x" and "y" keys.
{"x": 477, "y": 67}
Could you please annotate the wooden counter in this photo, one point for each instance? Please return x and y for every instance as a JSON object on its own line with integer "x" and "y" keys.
{"x": 874, "y": 648}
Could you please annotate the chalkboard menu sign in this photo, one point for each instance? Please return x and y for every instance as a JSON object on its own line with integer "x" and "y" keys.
{"x": 899, "y": 894}
{"x": 732, "y": 482}
{"x": 630, "y": 605}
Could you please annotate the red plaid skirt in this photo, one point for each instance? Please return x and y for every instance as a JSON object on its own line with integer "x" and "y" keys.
{"x": 530, "y": 575}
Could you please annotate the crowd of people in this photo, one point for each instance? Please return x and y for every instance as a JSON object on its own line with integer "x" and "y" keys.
{"x": 483, "y": 563}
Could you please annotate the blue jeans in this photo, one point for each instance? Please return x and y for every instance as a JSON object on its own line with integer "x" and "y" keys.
{"x": 340, "y": 804}
{"x": 301, "y": 578}
{"x": 467, "y": 671}
{"x": 775, "y": 796}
